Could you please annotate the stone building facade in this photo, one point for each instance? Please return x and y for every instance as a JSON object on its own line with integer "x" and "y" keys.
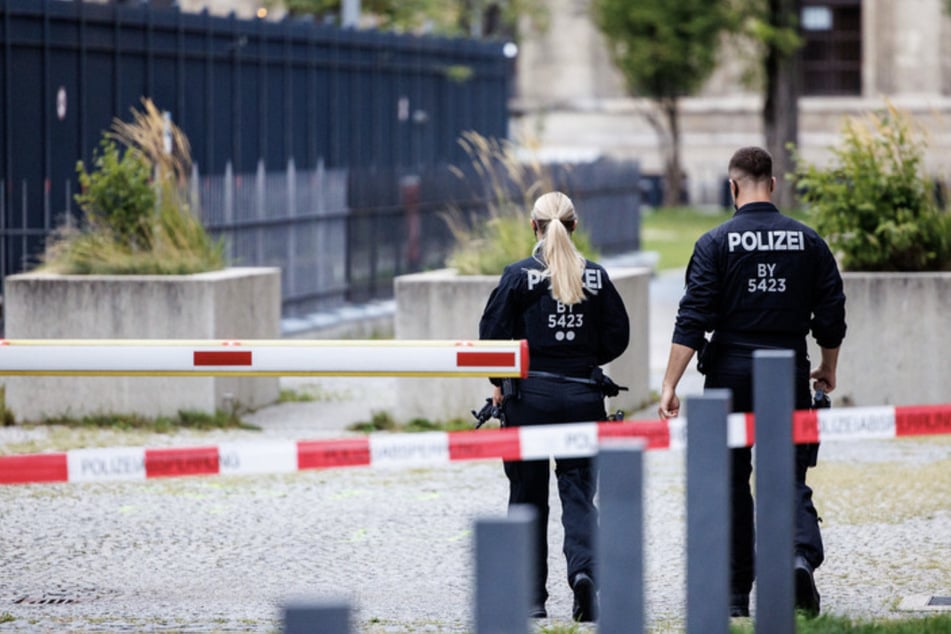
{"x": 571, "y": 103}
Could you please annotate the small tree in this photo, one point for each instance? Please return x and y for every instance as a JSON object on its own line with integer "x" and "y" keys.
{"x": 665, "y": 50}
{"x": 873, "y": 204}
{"x": 768, "y": 31}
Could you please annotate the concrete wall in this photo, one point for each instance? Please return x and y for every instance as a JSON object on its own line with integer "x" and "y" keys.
{"x": 236, "y": 303}
{"x": 897, "y": 350}
{"x": 444, "y": 305}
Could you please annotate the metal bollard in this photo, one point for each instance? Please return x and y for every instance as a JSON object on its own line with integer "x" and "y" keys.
{"x": 504, "y": 567}
{"x": 773, "y": 402}
{"x": 621, "y": 538}
{"x": 306, "y": 617}
{"x": 708, "y": 513}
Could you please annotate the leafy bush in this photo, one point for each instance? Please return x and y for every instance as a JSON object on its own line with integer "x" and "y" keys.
{"x": 117, "y": 196}
{"x": 137, "y": 216}
{"x": 876, "y": 208}
{"x": 485, "y": 245}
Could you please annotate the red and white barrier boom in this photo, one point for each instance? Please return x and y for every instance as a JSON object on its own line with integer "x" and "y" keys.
{"x": 439, "y": 448}
{"x": 261, "y": 357}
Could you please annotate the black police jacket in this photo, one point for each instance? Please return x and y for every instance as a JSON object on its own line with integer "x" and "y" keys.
{"x": 762, "y": 277}
{"x": 567, "y": 340}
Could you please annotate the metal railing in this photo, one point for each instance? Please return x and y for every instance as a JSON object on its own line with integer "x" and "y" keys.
{"x": 341, "y": 235}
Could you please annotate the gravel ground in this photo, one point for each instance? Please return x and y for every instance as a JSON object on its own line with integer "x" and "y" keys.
{"x": 224, "y": 553}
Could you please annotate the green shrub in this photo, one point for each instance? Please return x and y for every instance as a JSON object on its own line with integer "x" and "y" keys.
{"x": 137, "y": 216}
{"x": 486, "y": 244}
{"x": 117, "y": 196}
{"x": 875, "y": 207}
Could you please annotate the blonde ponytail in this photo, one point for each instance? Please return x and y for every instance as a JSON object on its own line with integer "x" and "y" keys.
{"x": 554, "y": 216}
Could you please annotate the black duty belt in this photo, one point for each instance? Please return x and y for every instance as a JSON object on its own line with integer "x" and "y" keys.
{"x": 541, "y": 374}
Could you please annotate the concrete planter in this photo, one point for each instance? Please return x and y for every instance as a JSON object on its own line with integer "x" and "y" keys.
{"x": 897, "y": 350}
{"x": 235, "y": 303}
{"x": 444, "y": 305}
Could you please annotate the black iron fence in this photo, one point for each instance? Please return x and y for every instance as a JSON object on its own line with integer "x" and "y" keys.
{"x": 243, "y": 92}
{"x": 342, "y": 235}
{"x": 323, "y": 151}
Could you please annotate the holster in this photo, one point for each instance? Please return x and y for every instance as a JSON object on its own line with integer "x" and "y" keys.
{"x": 509, "y": 389}
{"x": 608, "y": 387}
{"x": 706, "y": 356}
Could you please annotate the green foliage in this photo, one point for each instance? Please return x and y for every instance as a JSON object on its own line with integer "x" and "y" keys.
{"x": 486, "y": 244}
{"x": 137, "y": 216}
{"x": 759, "y": 26}
{"x": 826, "y": 624}
{"x": 444, "y": 17}
{"x": 186, "y": 419}
{"x": 664, "y": 49}
{"x": 379, "y": 421}
{"x": 7, "y": 419}
{"x": 294, "y": 396}
{"x": 563, "y": 628}
{"x": 117, "y": 196}
{"x": 875, "y": 207}
{"x": 384, "y": 421}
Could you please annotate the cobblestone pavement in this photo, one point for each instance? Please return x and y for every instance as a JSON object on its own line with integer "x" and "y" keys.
{"x": 223, "y": 554}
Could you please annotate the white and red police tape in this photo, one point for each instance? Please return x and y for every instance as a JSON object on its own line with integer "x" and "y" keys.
{"x": 261, "y": 357}
{"x": 439, "y": 448}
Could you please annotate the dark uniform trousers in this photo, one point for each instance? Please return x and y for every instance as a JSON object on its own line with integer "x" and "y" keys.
{"x": 732, "y": 368}
{"x": 541, "y": 402}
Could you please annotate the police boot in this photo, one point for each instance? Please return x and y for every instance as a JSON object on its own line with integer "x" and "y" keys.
{"x": 807, "y": 597}
{"x": 585, "y": 609}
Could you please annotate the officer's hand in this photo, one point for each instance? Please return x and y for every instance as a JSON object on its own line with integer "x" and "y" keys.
{"x": 497, "y": 395}
{"x": 669, "y": 404}
{"x": 824, "y": 379}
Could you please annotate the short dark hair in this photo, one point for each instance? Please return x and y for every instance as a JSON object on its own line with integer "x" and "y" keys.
{"x": 753, "y": 162}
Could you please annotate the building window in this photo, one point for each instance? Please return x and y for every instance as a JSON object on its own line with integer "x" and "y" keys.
{"x": 832, "y": 51}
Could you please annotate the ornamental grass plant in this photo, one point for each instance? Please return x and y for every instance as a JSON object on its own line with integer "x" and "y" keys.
{"x": 874, "y": 204}
{"x": 486, "y": 243}
{"x": 137, "y": 215}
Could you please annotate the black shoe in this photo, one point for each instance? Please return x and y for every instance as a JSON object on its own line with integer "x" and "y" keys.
{"x": 807, "y": 597}
{"x": 739, "y": 604}
{"x": 585, "y": 607}
{"x": 538, "y": 612}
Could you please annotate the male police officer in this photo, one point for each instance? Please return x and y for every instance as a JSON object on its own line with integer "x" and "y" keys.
{"x": 760, "y": 280}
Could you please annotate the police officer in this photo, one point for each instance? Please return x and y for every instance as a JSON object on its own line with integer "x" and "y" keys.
{"x": 574, "y": 321}
{"x": 760, "y": 280}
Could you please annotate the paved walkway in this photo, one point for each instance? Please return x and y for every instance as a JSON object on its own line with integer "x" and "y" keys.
{"x": 223, "y": 554}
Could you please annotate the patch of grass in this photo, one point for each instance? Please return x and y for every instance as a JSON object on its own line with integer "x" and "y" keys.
{"x": 6, "y": 416}
{"x": 563, "y": 628}
{"x": 826, "y": 624}
{"x": 6, "y": 617}
{"x": 672, "y": 231}
{"x": 185, "y": 419}
{"x": 295, "y": 396}
{"x": 423, "y": 424}
{"x": 379, "y": 421}
{"x": 384, "y": 421}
